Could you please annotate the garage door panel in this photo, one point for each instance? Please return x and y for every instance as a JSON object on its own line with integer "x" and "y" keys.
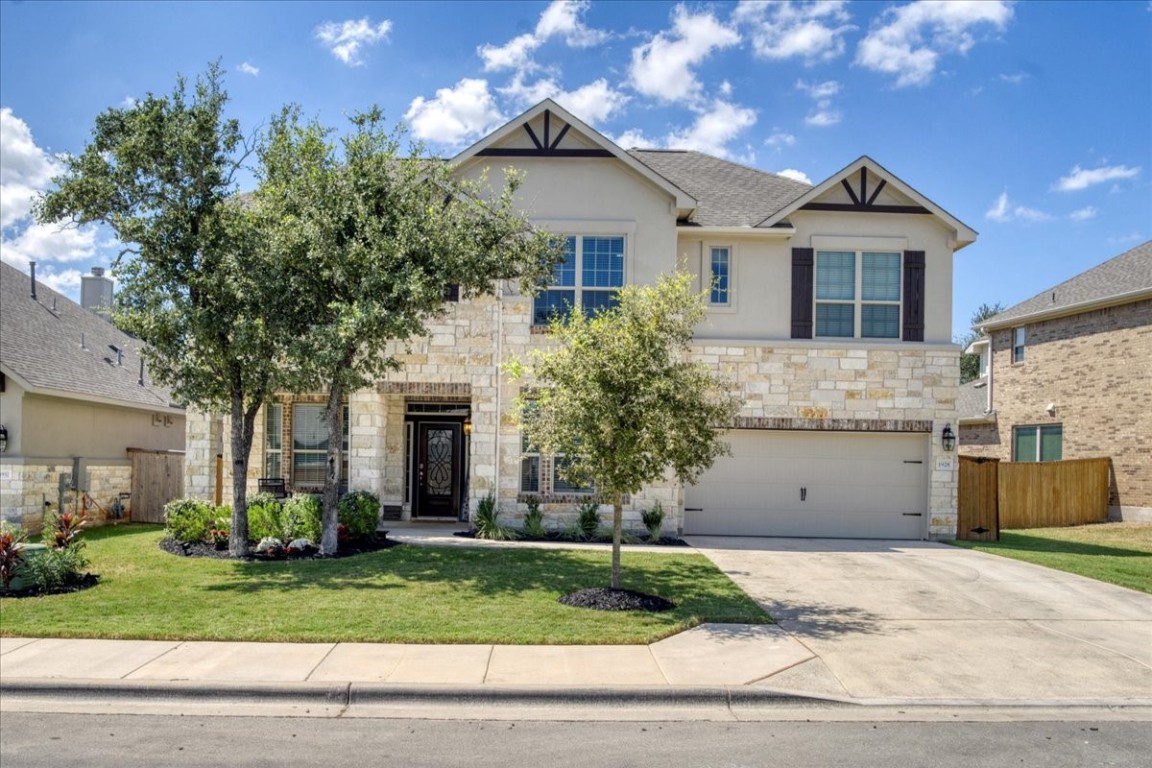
{"x": 855, "y": 485}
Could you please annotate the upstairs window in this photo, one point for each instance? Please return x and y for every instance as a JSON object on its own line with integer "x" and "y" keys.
{"x": 857, "y": 294}
{"x": 720, "y": 276}
{"x": 1018, "y": 344}
{"x": 589, "y": 276}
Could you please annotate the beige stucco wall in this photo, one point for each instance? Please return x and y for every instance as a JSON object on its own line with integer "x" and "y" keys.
{"x": 57, "y": 427}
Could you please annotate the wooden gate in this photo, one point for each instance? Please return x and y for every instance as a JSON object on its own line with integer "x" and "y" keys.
{"x": 1054, "y": 493}
{"x": 979, "y": 499}
{"x": 157, "y": 478}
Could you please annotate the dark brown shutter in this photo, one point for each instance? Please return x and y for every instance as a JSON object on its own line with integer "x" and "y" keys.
{"x": 802, "y": 264}
{"x": 913, "y": 296}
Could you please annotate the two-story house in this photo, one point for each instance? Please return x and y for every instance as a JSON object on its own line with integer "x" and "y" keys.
{"x": 829, "y": 305}
{"x": 1067, "y": 374}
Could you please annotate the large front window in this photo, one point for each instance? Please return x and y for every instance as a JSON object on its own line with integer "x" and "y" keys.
{"x": 858, "y": 294}
{"x": 589, "y": 277}
{"x": 310, "y": 445}
{"x": 273, "y": 423}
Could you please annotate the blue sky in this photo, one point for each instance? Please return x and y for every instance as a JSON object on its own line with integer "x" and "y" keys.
{"x": 1031, "y": 121}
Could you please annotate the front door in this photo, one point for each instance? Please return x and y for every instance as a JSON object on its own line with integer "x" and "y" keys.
{"x": 437, "y": 469}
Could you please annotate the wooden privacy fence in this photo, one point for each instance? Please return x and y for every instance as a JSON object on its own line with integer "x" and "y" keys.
{"x": 995, "y": 495}
{"x": 157, "y": 478}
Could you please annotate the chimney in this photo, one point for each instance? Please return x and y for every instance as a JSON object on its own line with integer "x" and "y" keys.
{"x": 32, "y": 266}
{"x": 96, "y": 292}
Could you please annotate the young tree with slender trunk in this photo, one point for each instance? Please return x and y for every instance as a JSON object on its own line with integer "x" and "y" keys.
{"x": 368, "y": 242}
{"x": 621, "y": 400}
{"x": 160, "y": 174}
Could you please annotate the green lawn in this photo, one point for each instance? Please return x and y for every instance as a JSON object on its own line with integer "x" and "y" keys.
{"x": 1119, "y": 553}
{"x": 405, "y": 594}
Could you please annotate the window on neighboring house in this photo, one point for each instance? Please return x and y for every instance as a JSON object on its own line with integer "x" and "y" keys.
{"x": 542, "y": 475}
{"x": 857, "y": 294}
{"x": 720, "y": 276}
{"x": 310, "y": 445}
{"x": 1038, "y": 443}
{"x": 273, "y": 447}
{"x": 1018, "y": 344}
{"x": 589, "y": 277}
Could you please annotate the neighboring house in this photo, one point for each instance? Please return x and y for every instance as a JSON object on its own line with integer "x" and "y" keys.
{"x": 74, "y": 397}
{"x": 829, "y": 306}
{"x": 1067, "y": 374}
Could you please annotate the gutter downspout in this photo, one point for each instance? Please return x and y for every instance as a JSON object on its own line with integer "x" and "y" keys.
{"x": 991, "y": 358}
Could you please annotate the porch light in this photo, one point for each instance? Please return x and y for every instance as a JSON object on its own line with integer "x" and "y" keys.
{"x": 468, "y": 425}
{"x": 3, "y": 438}
{"x": 948, "y": 438}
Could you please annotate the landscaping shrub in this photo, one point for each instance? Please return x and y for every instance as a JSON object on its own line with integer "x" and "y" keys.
{"x": 488, "y": 525}
{"x": 220, "y": 531}
{"x": 589, "y": 519}
{"x": 263, "y": 516}
{"x": 189, "y": 520}
{"x": 534, "y": 520}
{"x": 359, "y": 511}
{"x": 300, "y": 518}
{"x": 11, "y": 552}
{"x": 653, "y": 520}
{"x": 55, "y": 568}
{"x": 61, "y": 529}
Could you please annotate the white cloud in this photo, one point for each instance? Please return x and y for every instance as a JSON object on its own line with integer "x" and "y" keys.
{"x": 663, "y": 67}
{"x": 813, "y": 31}
{"x": 1014, "y": 79}
{"x": 49, "y": 243}
{"x": 593, "y": 103}
{"x": 128, "y": 102}
{"x": 1083, "y": 214}
{"x": 1082, "y": 178}
{"x": 25, "y": 169}
{"x": 780, "y": 139}
{"x": 248, "y": 69}
{"x": 1004, "y": 211}
{"x": 823, "y": 113}
{"x": 465, "y": 111}
{"x": 714, "y": 127}
{"x": 909, "y": 40}
{"x": 65, "y": 281}
{"x": 345, "y": 39}
{"x": 795, "y": 175}
{"x": 635, "y": 138}
{"x": 562, "y": 18}
{"x": 1131, "y": 237}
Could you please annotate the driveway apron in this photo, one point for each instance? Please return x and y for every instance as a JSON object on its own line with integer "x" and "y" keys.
{"x": 919, "y": 620}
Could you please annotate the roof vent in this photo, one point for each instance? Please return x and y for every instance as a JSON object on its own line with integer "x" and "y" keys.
{"x": 119, "y": 354}
{"x": 32, "y": 266}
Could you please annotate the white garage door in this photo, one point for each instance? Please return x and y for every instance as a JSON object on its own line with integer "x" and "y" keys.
{"x": 819, "y": 484}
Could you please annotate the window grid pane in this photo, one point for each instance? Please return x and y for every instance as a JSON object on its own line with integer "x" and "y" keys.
{"x": 1024, "y": 444}
{"x": 559, "y": 484}
{"x": 1051, "y": 443}
{"x": 594, "y": 301}
{"x": 720, "y": 272}
{"x": 836, "y": 275}
{"x": 273, "y": 424}
{"x": 549, "y": 304}
{"x": 603, "y": 262}
{"x": 880, "y": 321}
{"x": 530, "y": 474}
{"x": 880, "y": 277}
{"x": 835, "y": 319}
{"x": 564, "y": 273}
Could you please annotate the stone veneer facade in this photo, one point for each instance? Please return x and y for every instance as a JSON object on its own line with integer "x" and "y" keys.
{"x": 33, "y": 488}
{"x": 1096, "y": 367}
{"x": 785, "y": 385}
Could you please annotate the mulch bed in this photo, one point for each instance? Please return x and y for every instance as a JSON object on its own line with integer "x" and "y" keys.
{"x": 665, "y": 541}
{"x": 347, "y": 549}
{"x": 608, "y": 599}
{"x": 87, "y": 581}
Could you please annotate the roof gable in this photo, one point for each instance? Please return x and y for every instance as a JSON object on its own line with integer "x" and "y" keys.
{"x": 548, "y": 130}
{"x": 1125, "y": 278}
{"x": 865, "y": 186}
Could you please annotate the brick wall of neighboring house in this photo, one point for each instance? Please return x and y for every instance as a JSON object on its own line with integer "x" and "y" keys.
{"x": 1096, "y": 368}
{"x": 980, "y": 440}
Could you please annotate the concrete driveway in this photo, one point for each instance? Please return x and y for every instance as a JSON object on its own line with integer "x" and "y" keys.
{"x": 918, "y": 620}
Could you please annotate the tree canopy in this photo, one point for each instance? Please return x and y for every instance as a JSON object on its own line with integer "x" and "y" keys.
{"x": 970, "y": 364}
{"x": 161, "y": 175}
{"x": 368, "y": 242}
{"x": 621, "y": 399}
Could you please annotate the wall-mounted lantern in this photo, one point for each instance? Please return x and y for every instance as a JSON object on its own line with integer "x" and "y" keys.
{"x": 948, "y": 438}
{"x": 468, "y": 425}
{"x": 3, "y": 438}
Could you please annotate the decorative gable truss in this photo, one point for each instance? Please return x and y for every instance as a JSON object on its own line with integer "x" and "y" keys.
{"x": 546, "y": 139}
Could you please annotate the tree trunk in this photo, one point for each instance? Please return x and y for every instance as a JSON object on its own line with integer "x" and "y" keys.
{"x": 243, "y": 427}
{"x": 617, "y": 535}
{"x": 334, "y": 413}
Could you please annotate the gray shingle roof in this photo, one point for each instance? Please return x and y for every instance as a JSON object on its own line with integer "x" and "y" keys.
{"x": 1128, "y": 272}
{"x": 42, "y": 346}
{"x": 972, "y": 399}
{"x": 729, "y": 194}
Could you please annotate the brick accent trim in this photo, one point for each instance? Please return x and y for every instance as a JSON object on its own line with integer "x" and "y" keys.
{"x": 832, "y": 425}
{"x": 441, "y": 389}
